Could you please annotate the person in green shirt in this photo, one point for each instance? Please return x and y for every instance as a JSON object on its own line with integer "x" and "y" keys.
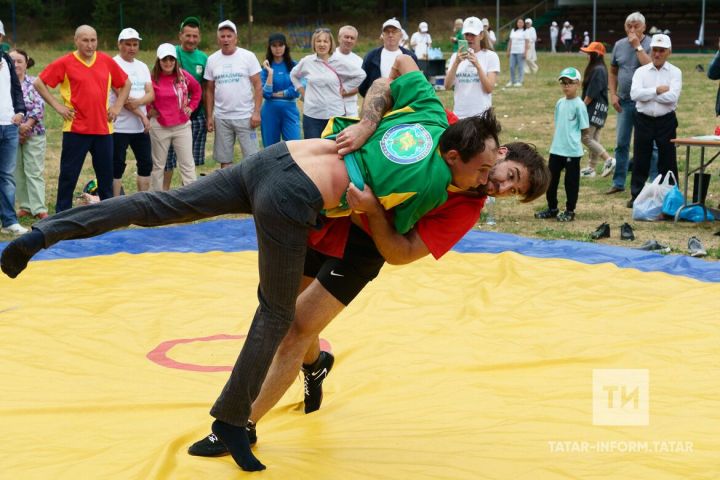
{"x": 192, "y": 60}
{"x": 457, "y": 34}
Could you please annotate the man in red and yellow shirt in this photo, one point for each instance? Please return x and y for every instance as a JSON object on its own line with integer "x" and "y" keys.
{"x": 85, "y": 77}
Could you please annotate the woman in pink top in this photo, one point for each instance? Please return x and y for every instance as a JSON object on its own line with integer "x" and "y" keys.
{"x": 177, "y": 95}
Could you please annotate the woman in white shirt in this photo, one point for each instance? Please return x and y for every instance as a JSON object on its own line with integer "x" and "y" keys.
{"x": 322, "y": 79}
{"x": 554, "y": 30}
{"x": 517, "y": 51}
{"x": 473, "y": 71}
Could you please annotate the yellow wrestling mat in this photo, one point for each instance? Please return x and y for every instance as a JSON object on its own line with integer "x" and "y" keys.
{"x": 480, "y": 366}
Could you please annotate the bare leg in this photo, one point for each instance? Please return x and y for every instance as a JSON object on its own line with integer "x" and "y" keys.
{"x": 167, "y": 179}
{"x": 315, "y": 309}
{"x": 143, "y": 183}
{"x": 117, "y": 187}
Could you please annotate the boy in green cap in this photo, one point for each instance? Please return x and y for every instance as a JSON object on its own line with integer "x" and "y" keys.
{"x": 571, "y": 119}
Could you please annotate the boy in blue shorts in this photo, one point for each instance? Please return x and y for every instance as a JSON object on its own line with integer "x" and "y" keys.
{"x": 571, "y": 119}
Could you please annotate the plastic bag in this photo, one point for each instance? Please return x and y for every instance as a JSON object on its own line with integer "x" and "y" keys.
{"x": 696, "y": 214}
{"x": 673, "y": 201}
{"x": 435, "y": 54}
{"x": 649, "y": 203}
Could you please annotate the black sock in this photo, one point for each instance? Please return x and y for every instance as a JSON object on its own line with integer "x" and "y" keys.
{"x": 18, "y": 253}
{"x": 236, "y": 441}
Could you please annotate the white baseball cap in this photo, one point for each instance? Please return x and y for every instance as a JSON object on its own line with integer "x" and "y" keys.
{"x": 129, "y": 34}
{"x": 528, "y": 20}
{"x": 661, "y": 41}
{"x": 392, "y": 22}
{"x": 423, "y": 27}
{"x": 2, "y": 29}
{"x": 166, "y": 50}
{"x": 554, "y": 24}
{"x": 227, "y": 24}
{"x": 486, "y": 22}
{"x": 571, "y": 73}
{"x": 472, "y": 25}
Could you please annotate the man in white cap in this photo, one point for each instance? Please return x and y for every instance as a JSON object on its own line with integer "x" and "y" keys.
{"x": 553, "y": 36}
{"x": 132, "y": 124}
{"x": 655, "y": 90}
{"x": 531, "y": 65}
{"x": 489, "y": 33}
{"x": 377, "y": 62}
{"x": 421, "y": 41}
{"x": 233, "y": 96}
{"x": 85, "y": 76}
{"x": 12, "y": 113}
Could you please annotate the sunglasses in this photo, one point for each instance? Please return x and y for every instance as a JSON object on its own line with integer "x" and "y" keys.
{"x": 322, "y": 30}
{"x": 567, "y": 82}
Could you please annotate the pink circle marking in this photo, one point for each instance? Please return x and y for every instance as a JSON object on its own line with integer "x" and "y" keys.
{"x": 160, "y": 356}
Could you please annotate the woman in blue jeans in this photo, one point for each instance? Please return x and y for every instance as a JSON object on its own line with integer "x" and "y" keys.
{"x": 517, "y": 49}
{"x": 280, "y": 116}
{"x": 12, "y": 113}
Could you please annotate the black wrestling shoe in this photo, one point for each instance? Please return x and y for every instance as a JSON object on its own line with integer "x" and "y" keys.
{"x": 314, "y": 376}
{"x": 212, "y": 446}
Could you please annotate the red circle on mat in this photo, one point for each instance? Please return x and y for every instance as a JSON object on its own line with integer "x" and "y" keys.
{"x": 160, "y": 356}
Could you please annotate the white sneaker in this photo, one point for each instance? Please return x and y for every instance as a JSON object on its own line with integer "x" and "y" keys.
{"x": 609, "y": 167}
{"x": 14, "y": 229}
{"x": 587, "y": 172}
{"x": 509, "y": 84}
{"x": 695, "y": 247}
{"x": 517, "y": 84}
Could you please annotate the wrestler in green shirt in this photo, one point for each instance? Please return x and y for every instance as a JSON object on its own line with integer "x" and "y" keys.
{"x": 401, "y": 161}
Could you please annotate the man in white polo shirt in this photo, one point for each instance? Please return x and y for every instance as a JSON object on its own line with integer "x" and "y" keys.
{"x": 347, "y": 38}
{"x": 233, "y": 96}
{"x": 132, "y": 125}
{"x": 655, "y": 90}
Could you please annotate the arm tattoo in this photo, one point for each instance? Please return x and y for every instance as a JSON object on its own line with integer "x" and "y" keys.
{"x": 377, "y": 102}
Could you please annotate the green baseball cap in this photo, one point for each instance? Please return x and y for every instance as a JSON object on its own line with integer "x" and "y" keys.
{"x": 192, "y": 21}
{"x": 571, "y": 73}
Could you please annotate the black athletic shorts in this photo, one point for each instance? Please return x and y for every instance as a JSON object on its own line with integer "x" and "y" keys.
{"x": 345, "y": 278}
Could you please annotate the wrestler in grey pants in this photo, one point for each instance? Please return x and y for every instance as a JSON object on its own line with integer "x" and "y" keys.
{"x": 285, "y": 204}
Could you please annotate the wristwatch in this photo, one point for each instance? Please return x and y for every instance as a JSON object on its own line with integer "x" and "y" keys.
{"x": 639, "y": 48}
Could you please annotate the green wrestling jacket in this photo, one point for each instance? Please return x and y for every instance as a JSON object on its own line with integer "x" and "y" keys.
{"x": 401, "y": 161}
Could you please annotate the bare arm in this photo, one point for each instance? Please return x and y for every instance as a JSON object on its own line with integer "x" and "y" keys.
{"x": 613, "y": 84}
{"x": 122, "y": 96}
{"x": 133, "y": 103}
{"x": 452, "y": 71}
{"x": 376, "y": 104}
{"x": 395, "y": 248}
{"x": 257, "y": 97}
{"x": 65, "y": 112}
{"x": 487, "y": 80}
{"x": 210, "y": 104}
